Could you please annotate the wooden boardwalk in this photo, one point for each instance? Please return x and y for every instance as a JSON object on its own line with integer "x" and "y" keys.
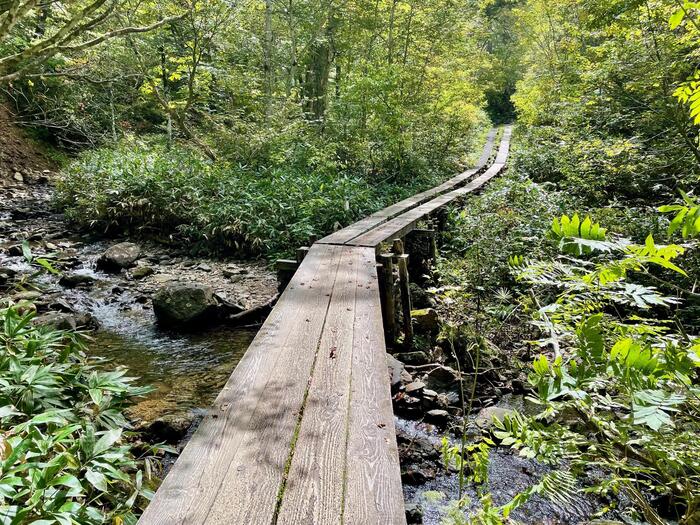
{"x": 303, "y": 431}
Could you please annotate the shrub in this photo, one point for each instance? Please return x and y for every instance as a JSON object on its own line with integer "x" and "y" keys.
{"x": 64, "y": 451}
{"x": 178, "y": 194}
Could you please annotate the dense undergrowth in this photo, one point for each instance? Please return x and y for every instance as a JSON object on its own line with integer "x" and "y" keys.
{"x": 67, "y": 453}
{"x": 599, "y": 320}
{"x": 177, "y": 194}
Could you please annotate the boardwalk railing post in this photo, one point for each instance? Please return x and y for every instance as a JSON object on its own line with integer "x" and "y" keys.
{"x": 402, "y": 261}
{"x": 386, "y": 292}
{"x": 285, "y": 271}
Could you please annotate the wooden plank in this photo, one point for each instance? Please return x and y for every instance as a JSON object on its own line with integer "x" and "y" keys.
{"x": 400, "y": 225}
{"x": 348, "y": 233}
{"x": 233, "y": 465}
{"x": 251, "y": 485}
{"x": 502, "y": 156}
{"x": 314, "y": 487}
{"x": 373, "y": 492}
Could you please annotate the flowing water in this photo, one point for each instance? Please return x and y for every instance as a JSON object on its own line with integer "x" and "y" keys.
{"x": 187, "y": 371}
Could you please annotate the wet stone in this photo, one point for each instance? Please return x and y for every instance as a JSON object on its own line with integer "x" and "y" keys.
{"x": 73, "y": 280}
{"x": 118, "y": 257}
{"x": 437, "y": 417}
{"x": 415, "y": 387}
{"x": 182, "y": 305}
{"x": 142, "y": 271}
{"x": 486, "y": 416}
{"x": 414, "y": 358}
{"x": 417, "y": 475}
{"x": 414, "y": 514}
{"x": 395, "y": 367}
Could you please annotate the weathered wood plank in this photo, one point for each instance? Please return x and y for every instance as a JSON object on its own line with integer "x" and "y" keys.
{"x": 251, "y": 485}
{"x": 348, "y": 233}
{"x": 403, "y": 223}
{"x": 314, "y": 486}
{"x": 243, "y": 442}
{"x": 373, "y": 492}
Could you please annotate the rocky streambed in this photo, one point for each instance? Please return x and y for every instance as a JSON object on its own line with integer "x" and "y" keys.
{"x": 133, "y": 297}
{"x": 107, "y": 288}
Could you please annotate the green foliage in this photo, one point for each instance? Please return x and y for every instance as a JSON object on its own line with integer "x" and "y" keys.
{"x": 596, "y": 95}
{"x": 576, "y": 236}
{"x": 687, "y": 218}
{"x": 177, "y": 192}
{"x": 616, "y": 385}
{"x": 64, "y": 451}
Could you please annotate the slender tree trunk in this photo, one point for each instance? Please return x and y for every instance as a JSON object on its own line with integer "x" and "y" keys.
{"x": 268, "y": 57}
{"x": 390, "y": 39}
{"x": 166, "y": 97}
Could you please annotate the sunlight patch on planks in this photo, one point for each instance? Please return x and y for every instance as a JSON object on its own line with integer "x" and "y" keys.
{"x": 303, "y": 430}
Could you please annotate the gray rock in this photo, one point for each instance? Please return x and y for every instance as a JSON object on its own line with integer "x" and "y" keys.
{"x": 415, "y": 387}
{"x": 426, "y": 321}
{"x": 171, "y": 428}
{"x": 414, "y": 513}
{"x": 118, "y": 257}
{"x": 486, "y": 416}
{"x": 15, "y": 250}
{"x": 417, "y": 476}
{"x": 57, "y": 320}
{"x": 29, "y": 295}
{"x": 442, "y": 379}
{"x": 182, "y": 305}
{"x": 437, "y": 417}
{"x": 18, "y": 177}
{"x": 73, "y": 280}
{"x": 142, "y": 271}
{"x": 395, "y": 368}
{"x": 414, "y": 358}
{"x": 9, "y": 272}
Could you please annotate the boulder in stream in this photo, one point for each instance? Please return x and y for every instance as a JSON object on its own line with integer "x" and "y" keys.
{"x": 184, "y": 305}
{"x": 76, "y": 279}
{"x": 426, "y": 321}
{"x": 486, "y": 416}
{"x": 119, "y": 256}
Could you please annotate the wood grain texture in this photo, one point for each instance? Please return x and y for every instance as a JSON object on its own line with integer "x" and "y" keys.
{"x": 373, "y": 493}
{"x": 314, "y": 488}
{"x": 191, "y": 494}
{"x": 250, "y": 486}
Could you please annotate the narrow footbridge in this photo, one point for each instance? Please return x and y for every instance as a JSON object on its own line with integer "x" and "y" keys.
{"x": 303, "y": 431}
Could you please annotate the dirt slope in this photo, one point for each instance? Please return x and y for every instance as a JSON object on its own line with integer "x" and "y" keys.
{"x": 18, "y": 153}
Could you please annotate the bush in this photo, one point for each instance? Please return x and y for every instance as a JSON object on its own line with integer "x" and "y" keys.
{"x": 64, "y": 454}
{"x": 220, "y": 206}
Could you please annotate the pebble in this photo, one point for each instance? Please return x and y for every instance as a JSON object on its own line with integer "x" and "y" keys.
{"x": 416, "y": 386}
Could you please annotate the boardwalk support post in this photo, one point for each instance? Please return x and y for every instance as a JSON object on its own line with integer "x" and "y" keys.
{"x": 301, "y": 253}
{"x": 386, "y": 293}
{"x": 405, "y": 300}
{"x": 422, "y": 245}
{"x": 404, "y": 286}
{"x": 285, "y": 271}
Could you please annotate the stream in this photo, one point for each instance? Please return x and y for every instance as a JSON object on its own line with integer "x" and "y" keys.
{"x": 187, "y": 371}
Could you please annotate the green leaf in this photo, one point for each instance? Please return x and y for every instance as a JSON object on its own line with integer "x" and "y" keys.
{"x": 107, "y": 439}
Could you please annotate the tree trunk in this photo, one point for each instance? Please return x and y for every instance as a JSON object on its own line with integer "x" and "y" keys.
{"x": 267, "y": 64}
